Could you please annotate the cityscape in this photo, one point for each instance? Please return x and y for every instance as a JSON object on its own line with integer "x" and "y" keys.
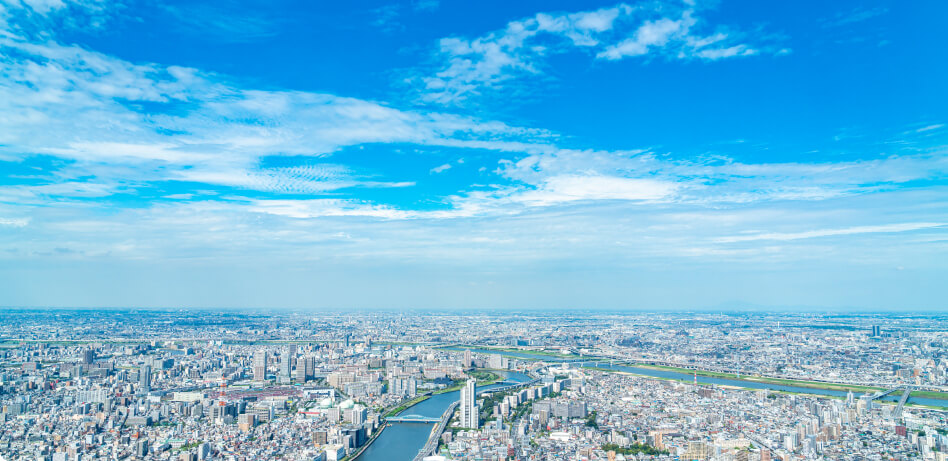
{"x": 241, "y": 385}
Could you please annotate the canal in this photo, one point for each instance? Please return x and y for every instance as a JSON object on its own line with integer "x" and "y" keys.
{"x": 401, "y": 441}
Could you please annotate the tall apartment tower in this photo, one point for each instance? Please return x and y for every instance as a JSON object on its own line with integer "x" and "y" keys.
{"x": 144, "y": 378}
{"x": 141, "y": 448}
{"x": 469, "y": 417}
{"x": 286, "y": 369}
{"x": 309, "y": 364}
{"x": 260, "y": 366}
{"x": 467, "y": 359}
{"x": 302, "y": 374}
{"x": 292, "y": 354}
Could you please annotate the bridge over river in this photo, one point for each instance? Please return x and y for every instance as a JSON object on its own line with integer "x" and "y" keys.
{"x": 412, "y": 419}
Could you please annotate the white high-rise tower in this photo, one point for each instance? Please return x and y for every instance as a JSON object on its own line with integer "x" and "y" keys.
{"x": 469, "y": 417}
{"x": 260, "y": 365}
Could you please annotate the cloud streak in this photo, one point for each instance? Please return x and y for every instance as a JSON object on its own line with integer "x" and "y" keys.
{"x": 786, "y": 236}
{"x": 672, "y": 31}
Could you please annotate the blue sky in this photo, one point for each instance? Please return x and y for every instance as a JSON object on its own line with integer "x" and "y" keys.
{"x": 435, "y": 154}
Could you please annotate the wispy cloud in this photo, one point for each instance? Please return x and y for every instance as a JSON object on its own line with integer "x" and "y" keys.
{"x": 218, "y": 169}
{"x": 672, "y": 31}
{"x": 58, "y": 98}
{"x": 936, "y": 126}
{"x": 14, "y": 222}
{"x": 855, "y": 15}
{"x": 226, "y": 21}
{"x": 440, "y": 168}
{"x": 886, "y": 228}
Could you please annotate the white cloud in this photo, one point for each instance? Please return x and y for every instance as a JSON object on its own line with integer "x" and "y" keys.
{"x": 441, "y": 168}
{"x": 81, "y": 105}
{"x": 571, "y": 188}
{"x": 472, "y": 67}
{"x": 783, "y": 236}
{"x": 858, "y": 14}
{"x": 650, "y": 34}
{"x": 317, "y": 208}
{"x": 936, "y": 126}
{"x": 14, "y": 222}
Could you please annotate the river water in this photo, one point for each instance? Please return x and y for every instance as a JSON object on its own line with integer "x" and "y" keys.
{"x": 401, "y": 441}
{"x": 894, "y": 397}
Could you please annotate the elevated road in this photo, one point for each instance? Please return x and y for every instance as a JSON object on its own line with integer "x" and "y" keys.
{"x": 759, "y": 441}
{"x": 905, "y": 397}
{"x": 432, "y": 444}
{"x": 435, "y": 436}
{"x": 507, "y": 387}
{"x": 880, "y": 394}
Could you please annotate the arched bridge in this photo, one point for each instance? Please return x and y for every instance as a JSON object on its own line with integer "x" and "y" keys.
{"x": 413, "y": 419}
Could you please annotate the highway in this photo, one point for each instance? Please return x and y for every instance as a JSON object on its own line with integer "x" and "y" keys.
{"x": 435, "y": 436}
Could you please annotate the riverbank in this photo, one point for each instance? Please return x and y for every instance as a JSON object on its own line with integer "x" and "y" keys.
{"x": 368, "y": 443}
{"x": 403, "y": 440}
{"x": 763, "y": 379}
{"x": 842, "y": 387}
{"x": 507, "y": 351}
{"x": 481, "y": 382}
{"x": 777, "y": 391}
{"x": 404, "y": 406}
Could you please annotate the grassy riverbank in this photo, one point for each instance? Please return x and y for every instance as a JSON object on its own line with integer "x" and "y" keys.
{"x": 931, "y": 395}
{"x": 759, "y": 379}
{"x": 404, "y": 406}
{"x": 686, "y": 381}
{"x": 484, "y": 377}
{"x": 507, "y": 351}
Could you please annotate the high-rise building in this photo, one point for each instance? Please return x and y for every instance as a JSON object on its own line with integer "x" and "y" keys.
{"x": 405, "y": 387}
{"x": 144, "y": 378}
{"x": 292, "y": 354}
{"x": 141, "y": 448}
{"x": 467, "y": 359}
{"x": 469, "y": 415}
{"x": 260, "y": 365}
{"x": 305, "y": 369}
{"x": 876, "y": 330}
{"x": 498, "y": 362}
{"x": 88, "y": 356}
{"x": 309, "y": 364}
{"x": 286, "y": 368}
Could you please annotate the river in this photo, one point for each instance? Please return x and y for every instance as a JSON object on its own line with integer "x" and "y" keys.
{"x": 894, "y": 397}
{"x": 401, "y": 441}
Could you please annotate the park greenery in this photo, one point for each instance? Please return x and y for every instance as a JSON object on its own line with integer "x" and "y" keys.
{"x": 634, "y": 449}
